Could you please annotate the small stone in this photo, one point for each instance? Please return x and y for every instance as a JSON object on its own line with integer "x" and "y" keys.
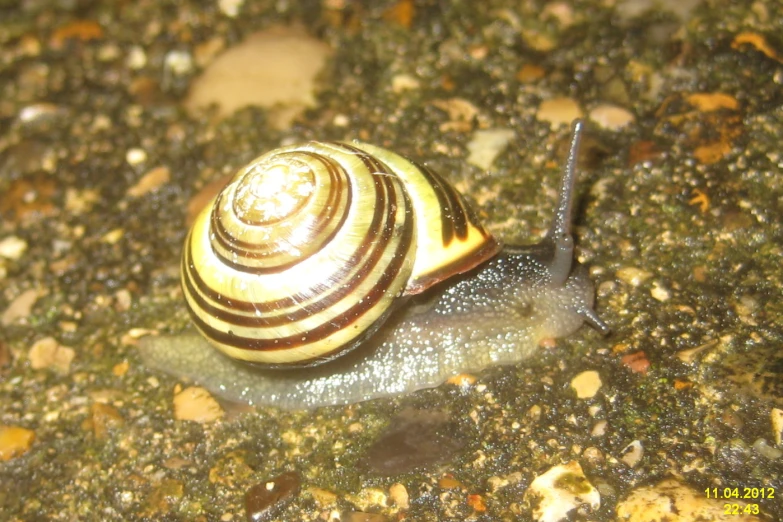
{"x": 477, "y": 503}
{"x": 399, "y": 495}
{"x": 196, "y": 404}
{"x": 462, "y": 380}
{"x": 559, "y": 111}
{"x": 230, "y": 8}
{"x": 369, "y": 499}
{"x": 80, "y": 201}
{"x": 530, "y": 73}
{"x": 586, "y": 384}
{"x": 404, "y": 82}
{"x": 322, "y": 497}
{"x": 632, "y": 275}
{"x": 112, "y": 237}
{"x": 461, "y": 112}
{"x": 632, "y": 454}
{"x": 637, "y": 362}
{"x": 611, "y": 117}
{"x": 561, "y": 490}
{"x": 599, "y": 429}
{"x": 135, "y": 156}
{"x": 120, "y": 369}
{"x": 765, "y": 450}
{"x": 266, "y": 500}
{"x": 104, "y": 419}
{"x": 47, "y": 353}
{"x": 40, "y": 112}
{"x": 178, "y": 62}
{"x": 12, "y": 247}
{"x": 776, "y": 416}
{"x": 274, "y": 68}
{"x": 20, "y": 307}
{"x": 485, "y": 145}
{"x": 150, "y": 182}
{"x": 14, "y": 441}
{"x": 659, "y": 292}
{"x": 137, "y": 58}
{"x": 561, "y": 11}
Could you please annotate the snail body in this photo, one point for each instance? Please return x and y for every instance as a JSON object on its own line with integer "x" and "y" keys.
{"x": 315, "y": 250}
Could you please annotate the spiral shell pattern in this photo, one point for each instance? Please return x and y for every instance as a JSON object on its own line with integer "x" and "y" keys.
{"x": 304, "y": 253}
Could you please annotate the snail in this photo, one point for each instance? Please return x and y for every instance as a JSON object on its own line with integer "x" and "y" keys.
{"x": 366, "y": 273}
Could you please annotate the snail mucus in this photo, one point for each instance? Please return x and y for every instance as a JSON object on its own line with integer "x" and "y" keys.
{"x": 331, "y": 273}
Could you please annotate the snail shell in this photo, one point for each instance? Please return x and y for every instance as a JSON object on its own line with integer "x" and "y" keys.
{"x": 304, "y": 253}
{"x": 338, "y": 236}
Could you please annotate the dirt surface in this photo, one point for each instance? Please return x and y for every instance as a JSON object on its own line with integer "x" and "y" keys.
{"x": 680, "y": 222}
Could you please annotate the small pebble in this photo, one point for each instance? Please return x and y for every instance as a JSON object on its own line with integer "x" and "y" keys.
{"x": 632, "y": 454}
{"x": 20, "y": 307}
{"x": 404, "y": 82}
{"x": 559, "y": 111}
{"x": 230, "y": 8}
{"x": 178, "y": 62}
{"x": 135, "y": 156}
{"x": 266, "y": 500}
{"x": 776, "y": 416}
{"x": 599, "y": 429}
{"x": 559, "y": 491}
{"x": 369, "y": 499}
{"x": 611, "y": 117}
{"x": 399, "y": 495}
{"x": 150, "y": 182}
{"x": 461, "y": 112}
{"x": 637, "y": 362}
{"x": 763, "y": 448}
{"x": 12, "y": 247}
{"x": 485, "y": 145}
{"x": 659, "y": 292}
{"x": 104, "y": 418}
{"x": 40, "y": 112}
{"x": 47, "y": 353}
{"x": 632, "y": 275}
{"x": 137, "y": 58}
{"x": 278, "y": 68}
{"x": 14, "y": 441}
{"x": 586, "y": 384}
{"x": 196, "y": 404}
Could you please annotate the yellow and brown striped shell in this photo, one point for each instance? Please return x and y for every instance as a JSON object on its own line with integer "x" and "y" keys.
{"x": 304, "y": 253}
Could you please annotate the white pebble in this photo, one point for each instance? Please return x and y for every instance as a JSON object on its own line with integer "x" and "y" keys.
{"x": 135, "y": 156}
{"x": 12, "y": 247}
{"x": 611, "y": 117}
{"x": 659, "y": 292}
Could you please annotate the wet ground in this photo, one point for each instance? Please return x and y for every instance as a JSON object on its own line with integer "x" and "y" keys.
{"x": 101, "y": 151}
